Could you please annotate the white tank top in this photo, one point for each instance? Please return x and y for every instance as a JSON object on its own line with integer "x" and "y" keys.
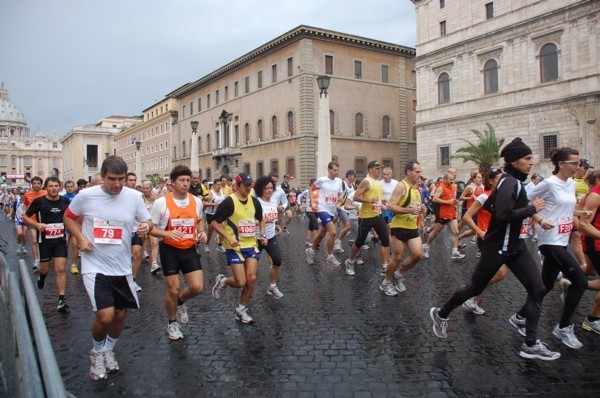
{"x": 217, "y": 198}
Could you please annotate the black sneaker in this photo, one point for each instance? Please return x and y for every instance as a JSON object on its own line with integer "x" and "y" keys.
{"x": 41, "y": 281}
{"x": 62, "y": 305}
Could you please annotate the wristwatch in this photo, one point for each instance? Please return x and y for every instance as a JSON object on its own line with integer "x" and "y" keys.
{"x": 263, "y": 236}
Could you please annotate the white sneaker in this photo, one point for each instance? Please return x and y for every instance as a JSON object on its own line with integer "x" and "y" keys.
{"x": 310, "y": 255}
{"x": 206, "y": 249}
{"x": 174, "y": 331}
{"x": 221, "y": 248}
{"x": 242, "y": 315}
{"x": 399, "y": 284}
{"x": 182, "y": 314}
{"x": 331, "y": 260}
{"x": 19, "y": 249}
{"x": 275, "y": 292}
{"x": 36, "y": 264}
{"x": 567, "y": 336}
{"x": 146, "y": 254}
{"x": 425, "y": 250}
{"x": 155, "y": 268}
{"x": 365, "y": 247}
{"x": 360, "y": 261}
{"x": 349, "y": 267}
{"x": 383, "y": 270}
{"x": 457, "y": 255}
{"x": 538, "y": 351}
{"x": 23, "y": 250}
{"x": 471, "y": 305}
{"x": 388, "y": 289}
{"x": 137, "y": 287}
{"x": 97, "y": 368}
{"x": 337, "y": 246}
{"x": 217, "y": 290}
{"x": 110, "y": 362}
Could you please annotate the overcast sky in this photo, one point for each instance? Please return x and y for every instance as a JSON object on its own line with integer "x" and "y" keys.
{"x": 72, "y": 62}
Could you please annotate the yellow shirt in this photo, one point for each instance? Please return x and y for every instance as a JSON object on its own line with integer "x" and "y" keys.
{"x": 242, "y": 224}
{"x": 407, "y": 221}
{"x": 370, "y": 210}
{"x": 581, "y": 188}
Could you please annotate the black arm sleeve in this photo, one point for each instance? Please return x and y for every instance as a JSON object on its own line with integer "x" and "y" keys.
{"x": 34, "y": 207}
{"x": 258, "y": 214}
{"x": 506, "y": 200}
{"x": 224, "y": 210}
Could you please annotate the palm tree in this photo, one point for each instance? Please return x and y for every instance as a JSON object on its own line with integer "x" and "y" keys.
{"x": 486, "y": 153}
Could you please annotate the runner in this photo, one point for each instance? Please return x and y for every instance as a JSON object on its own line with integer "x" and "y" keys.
{"x": 283, "y": 207}
{"x": 35, "y": 192}
{"x": 369, "y": 193}
{"x": 49, "y": 210}
{"x": 387, "y": 188}
{"x": 310, "y": 198}
{"x": 109, "y": 212}
{"x": 349, "y": 186}
{"x": 136, "y": 240}
{"x": 179, "y": 221}
{"x": 471, "y": 192}
{"x": 503, "y": 244}
{"x": 241, "y": 211}
{"x": 149, "y": 200}
{"x": 20, "y": 225}
{"x": 70, "y": 194}
{"x": 405, "y": 204}
{"x": 216, "y": 196}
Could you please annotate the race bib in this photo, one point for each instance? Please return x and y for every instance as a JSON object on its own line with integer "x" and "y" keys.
{"x": 108, "y": 232}
{"x": 524, "y": 229}
{"x": 330, "y": 198}
{"x": 270, "y": 214}
{"x": 565, "y": 225}
{"x": 54, "y": 231}
{"x": 246, "y": 228}
{"x": 376, "y": 206}
{"x": 185, "y": 226}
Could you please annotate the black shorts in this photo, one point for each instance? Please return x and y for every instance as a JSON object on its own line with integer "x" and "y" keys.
{"x": 208, "y": 217}
{"x": 136, "y": 240}
{"x": 53, "y": 248}
{"x": 404, "y": 234}
{"x": 378, "y": 224}
{"x": 443, "y": 221}
{"x": 273, "y": 250}
{"x": 107, "y": 291}
{"x": 173, "y": 260}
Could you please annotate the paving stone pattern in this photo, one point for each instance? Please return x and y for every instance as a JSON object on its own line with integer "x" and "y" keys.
{"x": 331, "y": 335}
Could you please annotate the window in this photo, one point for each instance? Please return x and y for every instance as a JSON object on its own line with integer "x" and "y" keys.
{"x": 226, "y": 93}
{"x": 236, "y": 89}
{"x": 217, "y": 97}
{"x": 91, "y": 155}
{"x": 191, "y": 108}
{"x": 444, "y": 155}
{"x": 385, "y": 127}
{"x": 290, "y": 66}
{"x": 442, "y": 3}
{"x": 358, "y": 69}
{"x": 183, "y": 148}
{"x": 208, "y": 174}
{"x": 385, "y": 72}
{"x": 549, "y": 141}
{"x": 274, "y": 73}
{"x": 358, "y": 124}
{"x": 247, "y": 168}
{"x": 247, "y": 85}
{"x": 207, "y": 101}
{"x": 247, "y": 133}
{"x": 414, "y": 105}
{"x": 274, "y": 126}
{"x": 443, "y": 28}
{"x": 259, "y": 77}
{"x": 175, "y": 152}
{"x": 290, "y": 168}
{"x": 388, "y": 163}
{"x": 260, "y": 169}
{"x": 360, "y": 166}
{"x": 55, "y": 145}
{"x": 183, "y": 111}
{"x": 290, "y": 122}
{"x": 331, "y": 122}
{"x": 329, "y": 65}
{"x": 413, "y": 78}
{"x": 548, "y": 63}
{"x": 489, "y": 10}
{"x": 444, "y": 88}
{"x": 259, "y": 127}
{"x": 275, "y": 166}
{"x": 490, "y": 73}
{"x": 208, "y": 143}
{"x": 236, "y": 128}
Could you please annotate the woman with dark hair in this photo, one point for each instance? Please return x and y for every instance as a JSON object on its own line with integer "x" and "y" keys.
{"x": 558, "y": 191}
{"x": 264, "y": 188}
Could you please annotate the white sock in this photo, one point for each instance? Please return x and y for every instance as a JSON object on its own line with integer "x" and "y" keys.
{"x": 241, "y": 307}
{"x": 397, "y": 274}
{"x": 455, "y": 250}
{"x": 110, "y": 342}
{"x": 98, "y": 345}
{"x": 272, "y": 285}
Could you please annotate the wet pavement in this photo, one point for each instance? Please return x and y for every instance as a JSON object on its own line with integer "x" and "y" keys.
{"x": 330, "y": 335}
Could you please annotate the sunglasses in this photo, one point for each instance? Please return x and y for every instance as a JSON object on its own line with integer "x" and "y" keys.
{"x": 572, "y": 162}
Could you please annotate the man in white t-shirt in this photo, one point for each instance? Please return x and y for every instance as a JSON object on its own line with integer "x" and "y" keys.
{"x": 388, "y": 184}
{"x": 108, "y": 212}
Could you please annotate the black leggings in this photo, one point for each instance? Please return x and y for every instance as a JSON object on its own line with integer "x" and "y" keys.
{"x": 526, "y": 271}
{"x": 273, "y": 250}
{"x": 557, "y": 258}
{"x": 592, "y": 254}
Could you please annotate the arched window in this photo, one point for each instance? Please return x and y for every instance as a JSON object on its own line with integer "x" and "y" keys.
{"x": 358, "y": 124}
{"x": 290, "y": 122}
{"x": 490, "y": 73}
{"x": 331, "y": 122}
{"x": 548, "y": 63}
{"x": 385, "y": 126}
{"x": 274, "y": 123}
{"x": 444, "y": 88}
{"x": 259, "y": 127}
{"x": 247, "y": 133}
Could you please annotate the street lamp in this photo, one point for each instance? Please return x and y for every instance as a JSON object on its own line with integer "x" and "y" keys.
{"x": 194, "y": 146}
{"x": 324, "y": 137}
{"x": 138, "y": 159}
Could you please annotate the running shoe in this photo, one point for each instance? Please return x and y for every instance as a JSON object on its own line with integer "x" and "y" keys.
{"x": 286, "y": 230}
{"x": 62, "y": 306}
{"x": 182, "y": 314}
{"x": 365, "y": 247}
{"x": 110, "y": 362}
{"x": 242, "y": 315}
{"x": 174, "y": 331}
{"x": 462, "y": 245}
{"x": 383, "y": 270}
{"x": 591, "y": 326}
{"x": 310, "y": 255}
{"x": 146, "y": 254}
{"x": 457, "y": 255}
{"x": 138, "y": 288}
{"x": 97, "y": 368}
{"x": 331, "y": 260}
{"x": 337, "y": 246}
{"x": 399, "y": 284}
{"x": 19, "y": 249}
{"x": 74, "y": 269}
{"x": 440, "y": 325}
{"x": 425, "y": 251}
{"x": 471, "y": 305}
{"x": 538, "y": 351}
{"x": 518, "y": 323}
{"x": 217, "y": 290}
{"x": 154, "y": 268}
{"x": 41, "y": 281}
{"x": 275, "y": 292}
{"x": 389, "y": 289}
{"x": 349, "y": 267}
{"x": 221, "y": 248}
{"x": 567, "y": 336}
{"x": 478, "y": 254}
{"x": 36, "y": 264}
{"x": 24, "y": 250}
{"x": 307, "y": 244}
{"x": 359, "y": 261}
{"x": 206, "y": 249}
{"x": 473, "y": 241}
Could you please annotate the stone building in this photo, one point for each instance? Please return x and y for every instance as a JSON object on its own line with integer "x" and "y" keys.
{"x": 23, "y": 155}
{"x": 259, "y": 113}
{"x": 528, "y": 67}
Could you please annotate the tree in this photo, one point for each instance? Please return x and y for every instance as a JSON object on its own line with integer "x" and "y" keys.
{"x": 486, "y": 153}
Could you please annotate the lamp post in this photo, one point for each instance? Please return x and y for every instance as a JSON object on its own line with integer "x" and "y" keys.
{"x": 324, "y": 137}
{"x": 138, "y": 159}
{"x": 194, "y": 146}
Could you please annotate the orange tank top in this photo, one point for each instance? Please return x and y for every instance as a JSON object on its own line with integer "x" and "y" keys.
{"x": 183, "y": 220}
{"x": 484, "y": 216}
{"x": 477, "y": 190}
{"x": 448, "y": 212}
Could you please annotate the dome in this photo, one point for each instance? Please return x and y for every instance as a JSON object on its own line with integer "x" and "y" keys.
{"x": 9, "y": 112}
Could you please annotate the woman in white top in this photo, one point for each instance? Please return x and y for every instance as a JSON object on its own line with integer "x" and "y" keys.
{"x": 216, "y": 196}
{"x": 559, "y": 193}
{"x": 264, "y": 188}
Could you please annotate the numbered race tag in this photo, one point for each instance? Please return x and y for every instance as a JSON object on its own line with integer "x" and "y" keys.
{"x": 524, "y": 229}
{"x": 54, "y": 231}
{"x": 108, "y": 232}
{"x": 246, "y": 228}
{"x": 185, "y": 226}
{"x": 415, "y": 204}
{"x": 376, "y": 206}
{"x": 330, "y": 198}
{"x": 270, "y": 214}
{"x": 565, "y": 225}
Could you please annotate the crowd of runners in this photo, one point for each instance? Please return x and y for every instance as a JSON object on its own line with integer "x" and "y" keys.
{"x": 112, "y": 223}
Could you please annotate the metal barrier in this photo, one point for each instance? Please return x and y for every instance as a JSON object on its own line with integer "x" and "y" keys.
{"x": 28, "y": 367}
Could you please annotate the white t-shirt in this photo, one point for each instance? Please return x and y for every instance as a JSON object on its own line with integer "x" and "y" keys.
{"x": 387, "y": 188}
{"x": 160, "y": 214}
{"x": 108, "y": 222}
{"x": 560, "y": 206}
{"x": 216, "y": 198}
{"x": 353, "y": 214}
{"x": 329, "y": 193}
{"x": 280, "y": 196}
{"x": 269, "y": 209}
{"x": 482, "y": 198}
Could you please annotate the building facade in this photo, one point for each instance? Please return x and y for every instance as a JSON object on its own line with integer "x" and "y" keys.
{"x": 528, "y": 67}
{"x": 23, "y": 155}
{"x": 87, "y": 146}
{"x": 259, "y": 113}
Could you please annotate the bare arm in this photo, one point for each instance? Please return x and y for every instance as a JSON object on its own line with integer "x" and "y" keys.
{"x": 363, "y": 187}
